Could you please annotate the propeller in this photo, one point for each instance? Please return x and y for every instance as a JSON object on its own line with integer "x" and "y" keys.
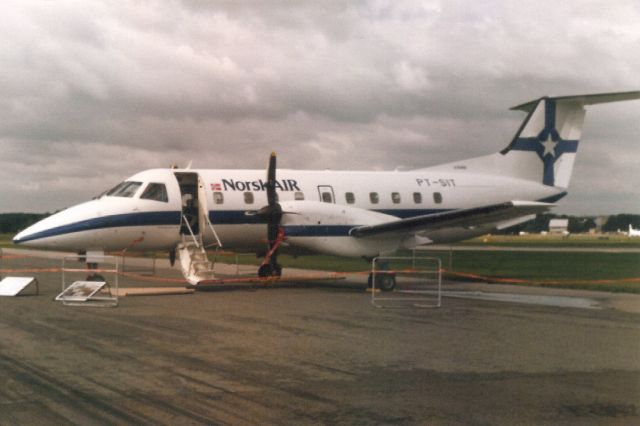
{"x": 272, "y": 214}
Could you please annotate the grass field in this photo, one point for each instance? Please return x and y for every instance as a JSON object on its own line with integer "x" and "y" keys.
{"x": 558, "y": 269}
{"x": 549, "y": 240}
{"x": 5, "y": 240}
{"x": 562, "y": 269}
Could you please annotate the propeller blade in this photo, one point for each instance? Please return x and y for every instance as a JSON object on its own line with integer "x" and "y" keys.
{"x": 271, "y": 181}
{"x": 272, "y": 214}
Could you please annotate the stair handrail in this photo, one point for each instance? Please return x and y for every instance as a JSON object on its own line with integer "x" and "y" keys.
{"x": 190, "y": 230}
{"x": 215, "y": 234}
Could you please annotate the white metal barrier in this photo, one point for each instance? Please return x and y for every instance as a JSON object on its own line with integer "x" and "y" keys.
{"x": 135, "y": 265}
{"x": 15, "y": 285}
{"x": 406, "y": 282}
{"x": 240, "y": 269}
{"x": 86, "y": 286}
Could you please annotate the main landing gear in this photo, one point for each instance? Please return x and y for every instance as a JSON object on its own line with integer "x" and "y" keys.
{"x": 270, "y": 266}
{"x": 385, "y": 280}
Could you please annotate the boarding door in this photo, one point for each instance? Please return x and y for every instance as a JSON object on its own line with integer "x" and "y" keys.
{"x": 326, "y": 194}
{"x": 207, "y": 229}
{"x": 188, "y": 182}
{"x": 203, "y": 210}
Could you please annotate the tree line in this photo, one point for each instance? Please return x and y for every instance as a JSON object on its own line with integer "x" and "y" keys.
{"x": 11, "y": 223}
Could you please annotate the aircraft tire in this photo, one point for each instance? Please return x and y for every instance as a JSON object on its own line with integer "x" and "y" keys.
{"x": 95, "y": 277}
{"x": 384, "y": 281}
{"x": 269, "y": 270}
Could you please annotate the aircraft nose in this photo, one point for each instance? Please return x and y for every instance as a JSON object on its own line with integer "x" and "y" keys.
{"x": 60, "y": 230}
{"x": 22, "y": 236}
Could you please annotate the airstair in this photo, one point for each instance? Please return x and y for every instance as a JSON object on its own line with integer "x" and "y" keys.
{"x": 194, "y": 261}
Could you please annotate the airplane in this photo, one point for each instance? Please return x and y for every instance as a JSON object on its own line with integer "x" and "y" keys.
{"x": 345, "y": 213}
{"x": 633, "y": 232}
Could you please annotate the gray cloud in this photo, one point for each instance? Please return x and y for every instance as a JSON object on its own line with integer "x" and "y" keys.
{"x": 94, "y": 91}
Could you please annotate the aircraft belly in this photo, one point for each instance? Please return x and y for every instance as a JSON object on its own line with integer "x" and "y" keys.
{"x": 240, "y": 236}
{"x": 346, "y": 246}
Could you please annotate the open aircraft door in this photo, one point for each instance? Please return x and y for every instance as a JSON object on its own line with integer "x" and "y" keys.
{"x": 203, "y": 210}
{"x": 207, "y": 231}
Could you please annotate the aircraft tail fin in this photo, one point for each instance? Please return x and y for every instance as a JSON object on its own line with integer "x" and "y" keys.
{"x": 544, "y": 147}
{"x": 550, "y": 134}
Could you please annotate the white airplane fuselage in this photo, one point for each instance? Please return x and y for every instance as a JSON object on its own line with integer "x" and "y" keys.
{"x": 115, "y": 223}
{"x": 346, "y": 213}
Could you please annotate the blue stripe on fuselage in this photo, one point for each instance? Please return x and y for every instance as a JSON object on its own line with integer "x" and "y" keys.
{"x": 223, "y": 217}
{"x": 104, "y": 222}
{"x": 239, "y": 217}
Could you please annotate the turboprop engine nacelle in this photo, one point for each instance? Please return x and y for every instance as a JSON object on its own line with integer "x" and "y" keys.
{"x": 304, "y": 221}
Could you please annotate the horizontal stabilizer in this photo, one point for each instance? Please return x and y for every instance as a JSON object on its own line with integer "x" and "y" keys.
{"x": 476, "y": 216}
{"x": 599, "y": 98}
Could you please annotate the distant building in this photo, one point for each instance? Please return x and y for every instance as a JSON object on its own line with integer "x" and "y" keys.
{"x": 559, "y": 226}
{"x": 600, "y": 222}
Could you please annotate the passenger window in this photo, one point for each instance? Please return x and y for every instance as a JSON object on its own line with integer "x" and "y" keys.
{"x": 417, "y": 198}
{"x": 437, "y": 197}
{"x": 374, "y": 198}
{"x": 218, "y": 197}
{"x": 155, "y": 192}
{"x": 350, "y": 198}
{"x": 298, "y": 196}
{"x": 125, "y": 189}
{"x": 395, "y": 197}
{"x": 326, "y": 197}
{"x": 248, "y": 197}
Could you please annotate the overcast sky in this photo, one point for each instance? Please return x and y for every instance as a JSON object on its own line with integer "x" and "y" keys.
{"x": 92, "y": 92}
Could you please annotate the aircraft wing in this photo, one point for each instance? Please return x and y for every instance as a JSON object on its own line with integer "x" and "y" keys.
{"x": 476, "y": 216}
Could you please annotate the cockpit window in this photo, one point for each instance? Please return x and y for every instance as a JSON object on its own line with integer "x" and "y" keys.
{"x": 156, "y": 192}
{"x": 125, "y": 189}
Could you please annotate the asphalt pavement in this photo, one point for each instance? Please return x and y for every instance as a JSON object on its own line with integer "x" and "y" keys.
{"x": 317, "y": 353}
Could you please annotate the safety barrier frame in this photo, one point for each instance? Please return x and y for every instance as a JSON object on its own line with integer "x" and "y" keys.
{"x": 99, "y": 299}
{"x": 139, "y": 269}
{"x": 416, "y": 298}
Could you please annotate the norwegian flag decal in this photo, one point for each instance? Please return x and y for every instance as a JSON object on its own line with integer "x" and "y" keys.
{"x": 216, "y": 187}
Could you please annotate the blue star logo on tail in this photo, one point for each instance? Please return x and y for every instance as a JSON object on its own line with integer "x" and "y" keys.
{"x": 548, "y": 144}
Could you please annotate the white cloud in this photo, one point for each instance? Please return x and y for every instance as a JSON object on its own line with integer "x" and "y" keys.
{"x": 115, "y": 87}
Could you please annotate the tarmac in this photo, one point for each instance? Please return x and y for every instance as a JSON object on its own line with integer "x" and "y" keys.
{"x": 316, "y": 353}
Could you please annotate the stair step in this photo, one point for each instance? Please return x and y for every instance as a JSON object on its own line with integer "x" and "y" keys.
{"x": 195, "y": 260}
{"x": 202, "y": 267}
